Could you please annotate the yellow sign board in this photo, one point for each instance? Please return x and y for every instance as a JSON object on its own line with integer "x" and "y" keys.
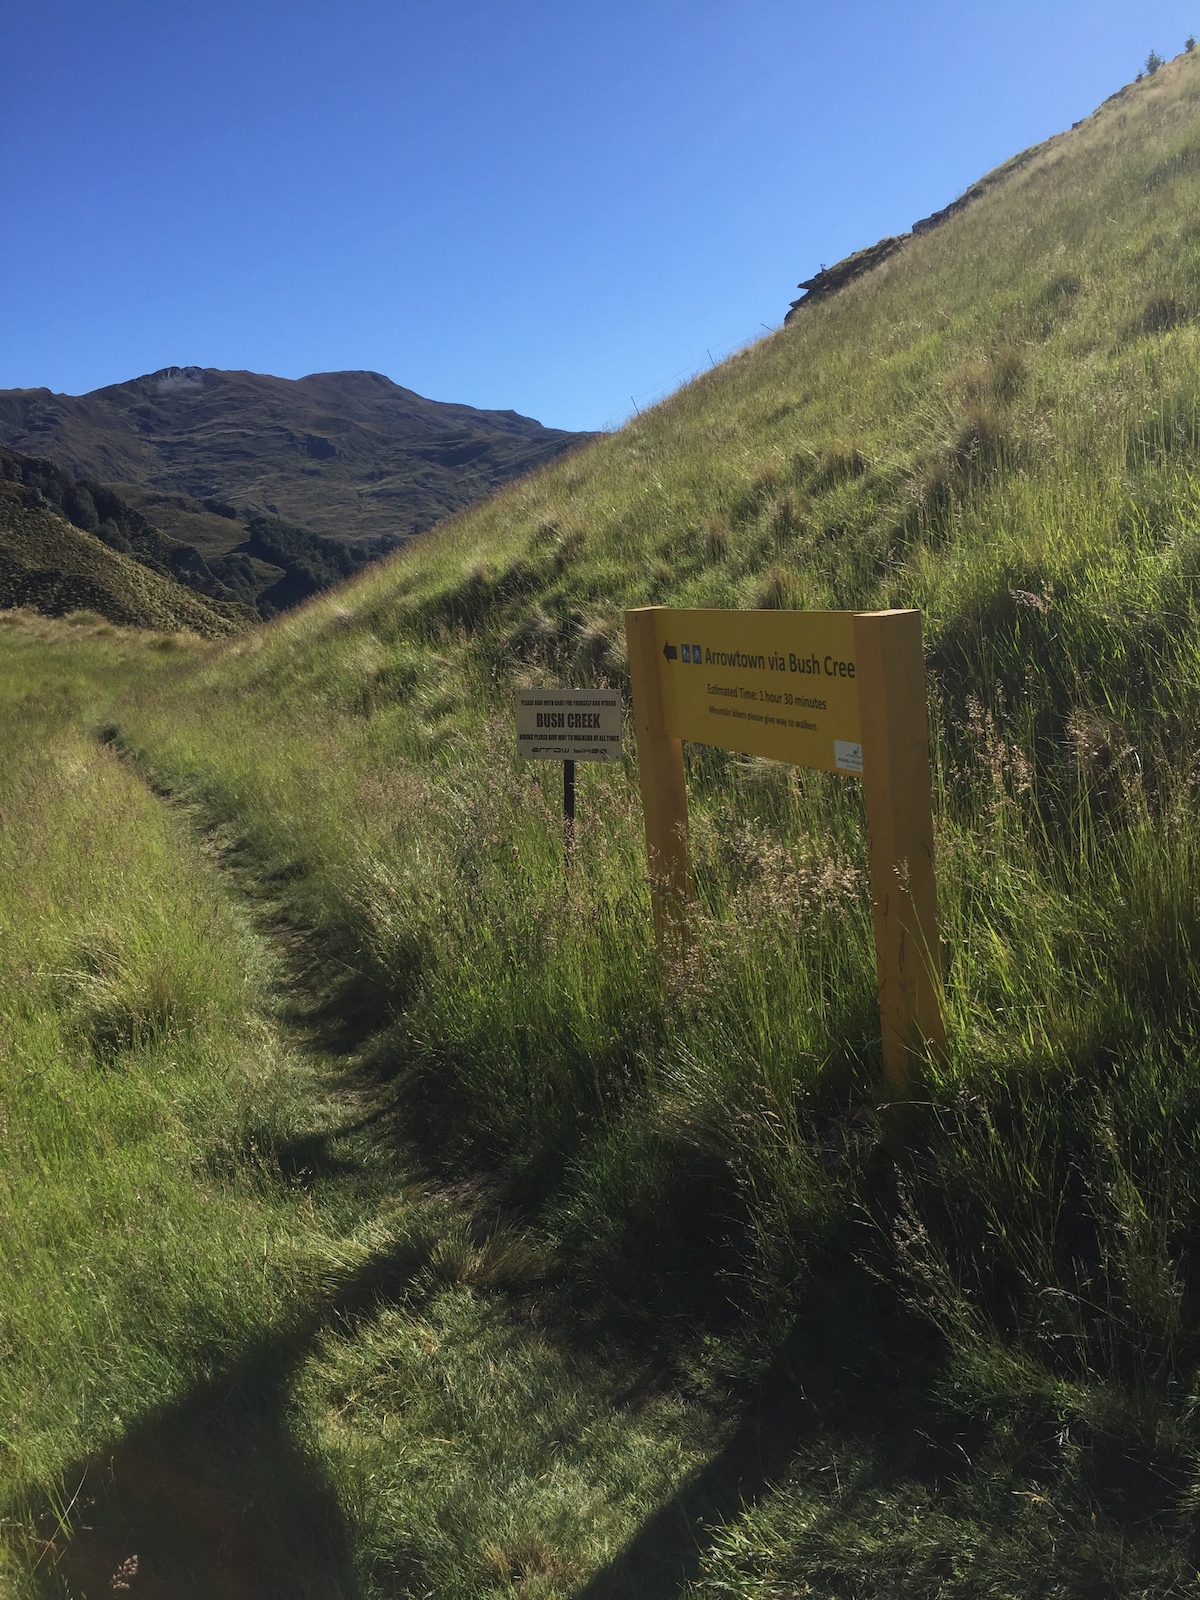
{"x": 840, "y": 690}
{"x": 781, "y": 684}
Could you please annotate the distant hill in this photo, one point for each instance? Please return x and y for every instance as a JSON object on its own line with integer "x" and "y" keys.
{"x": 94, "y": 508}
{"x": 51, "y": 565}
{"x": 344, "y": 455}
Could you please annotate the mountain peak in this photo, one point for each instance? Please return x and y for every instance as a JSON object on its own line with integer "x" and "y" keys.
{"x": 171, "y": 380}
{"x": 345, "y": 456}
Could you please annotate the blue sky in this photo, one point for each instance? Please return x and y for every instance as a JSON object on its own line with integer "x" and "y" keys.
{"x": 558, "y": 207}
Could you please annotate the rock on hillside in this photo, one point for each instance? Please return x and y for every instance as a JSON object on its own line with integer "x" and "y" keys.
{"x": 348, "y": 455}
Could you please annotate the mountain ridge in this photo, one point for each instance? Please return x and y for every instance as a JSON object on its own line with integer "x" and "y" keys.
{"x": 829, "y": 280}
{"x": 343, "y": 455}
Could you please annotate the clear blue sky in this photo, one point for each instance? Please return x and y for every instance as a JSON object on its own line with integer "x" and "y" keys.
{"x": 554, "y": 205}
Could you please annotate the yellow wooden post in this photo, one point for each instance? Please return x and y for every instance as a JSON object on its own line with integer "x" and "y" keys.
{"x": 890, "y": 673}
{"x": 664, "y": 789}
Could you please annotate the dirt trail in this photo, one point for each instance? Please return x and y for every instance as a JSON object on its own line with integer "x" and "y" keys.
{"x": 217, "y": 1498}
{"x": 191, "y": 1504}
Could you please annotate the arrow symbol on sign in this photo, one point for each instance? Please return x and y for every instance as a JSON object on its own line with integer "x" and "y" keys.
{"x": 670, "y": 652}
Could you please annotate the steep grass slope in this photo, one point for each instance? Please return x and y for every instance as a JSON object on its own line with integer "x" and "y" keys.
{"x": 981, "y": 1321}
{"x": 50, "y": 565}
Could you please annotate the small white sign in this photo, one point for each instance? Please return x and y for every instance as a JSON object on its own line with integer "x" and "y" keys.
{"x": 569, "y": 724}
{"x": 847, "y": 757}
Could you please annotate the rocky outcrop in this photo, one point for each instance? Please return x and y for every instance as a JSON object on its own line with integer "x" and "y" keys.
{"x": 830, "y": 279}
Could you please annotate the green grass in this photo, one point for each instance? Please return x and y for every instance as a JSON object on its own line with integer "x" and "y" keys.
{"x": 238, "y": 1343}
{"x": 961, "y": 1336}
{"x": 131, "y": 1057}
{"x": 145, "y": 1245}
{"x": 990, "y": 1304}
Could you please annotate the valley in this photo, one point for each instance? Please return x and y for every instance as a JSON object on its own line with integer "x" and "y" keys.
{"x": 281, "y": 485}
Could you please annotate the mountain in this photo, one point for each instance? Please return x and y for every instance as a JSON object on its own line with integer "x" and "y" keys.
{"x": 94, "y": 508}
{"x": 51, "y": 565}
{"x": 959, "y": 1337}
{"x": 343, "y": 455}
{"x": 274, "y": 566}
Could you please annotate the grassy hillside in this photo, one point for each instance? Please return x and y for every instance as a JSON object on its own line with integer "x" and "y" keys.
{"x": 93, "y": 508}
{"x": 989, "y": 1317}
{"x": 266, "y": 566}
{"x": 962, "y": 1337}
{"x": 49, "y": 564}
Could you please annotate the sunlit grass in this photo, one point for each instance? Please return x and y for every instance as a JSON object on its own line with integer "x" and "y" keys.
{"x": 988, "y": 1302}
{"x": 218, "y": 1297}
{"x": 135, "y": 1068}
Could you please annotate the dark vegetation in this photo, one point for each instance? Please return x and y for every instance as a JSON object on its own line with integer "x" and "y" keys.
{"x": 309, "y": 562}
{"x": 93, "y": 508}
{"x": 299, "y": 563}
{"x": 122, "y": 570}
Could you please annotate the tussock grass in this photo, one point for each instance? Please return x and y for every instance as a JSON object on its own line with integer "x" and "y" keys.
{"x": 142, "y": 1242}
{"x": 220, "y": 1295}
{"x": 992, "y": 1301}
{"x": 979, "y": 1315}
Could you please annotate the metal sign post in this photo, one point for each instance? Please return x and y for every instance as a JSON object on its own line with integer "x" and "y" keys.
{"x": 568, "y": 725}
{"x": 838, "y": 690}
{"x": 569, "y": 806}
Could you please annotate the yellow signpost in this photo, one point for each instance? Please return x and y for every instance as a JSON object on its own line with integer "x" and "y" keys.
{"x": 839, "y": 690}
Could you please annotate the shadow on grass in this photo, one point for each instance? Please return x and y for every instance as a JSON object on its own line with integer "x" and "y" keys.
{"x": 666, "y": 1551}
{"x": 216, "y": 1498}
{"x": 828, "y": 1379}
